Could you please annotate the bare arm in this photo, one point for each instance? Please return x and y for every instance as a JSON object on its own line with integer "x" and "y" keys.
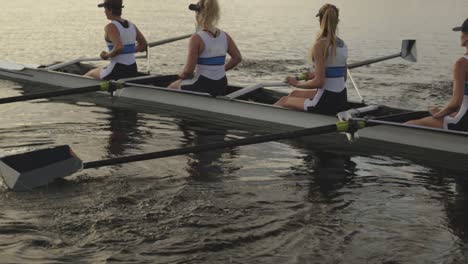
{"x": 142, "y": 45}
{"x": 458, "y": 90}
{"x": 113, "y": 34}
{"x": 318, "y": 77}
{"x": 195, "y": 47}
{"x": 235, "y": 54}
{"x": 346, "y": 73}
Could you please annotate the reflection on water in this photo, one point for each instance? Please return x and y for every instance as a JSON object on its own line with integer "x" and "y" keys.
{"x": 124, "y": 127}
{"x": 205, "y": 166}
{"x": 267, "y": 203}
{"x": 457, "y": 208}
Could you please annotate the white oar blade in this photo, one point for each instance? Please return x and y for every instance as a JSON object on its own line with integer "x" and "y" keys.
{"x": 23, "y": 172}
{"x": 11, "y": 66}
{"x": 409, "y": 51}
{"x": 6, "y": 65}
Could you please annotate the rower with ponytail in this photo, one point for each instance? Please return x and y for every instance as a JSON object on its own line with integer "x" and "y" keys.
{"x": 207, "y": 63}
{"x": 323, "y": 90}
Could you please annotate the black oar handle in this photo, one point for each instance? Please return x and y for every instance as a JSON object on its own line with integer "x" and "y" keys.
{"x": 220, "y": 145}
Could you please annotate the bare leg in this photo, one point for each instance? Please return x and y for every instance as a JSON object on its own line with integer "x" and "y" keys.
{"x": 307, "y": 94}
{"x": 94, "y": 73}
{"x": 175, "y": 85}
{"x": 428, "y": 122}
{"x": 291, "y": 102}
{"x": 281, "y": 101}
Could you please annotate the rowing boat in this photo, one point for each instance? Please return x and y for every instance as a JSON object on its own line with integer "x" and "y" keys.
{"x": 253, "y": 108}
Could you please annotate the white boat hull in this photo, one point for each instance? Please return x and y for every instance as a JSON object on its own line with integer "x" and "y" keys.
{"x": 434, "y": 140}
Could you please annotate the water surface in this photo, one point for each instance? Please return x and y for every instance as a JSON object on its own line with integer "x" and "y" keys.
{"x": 278, "y": 202}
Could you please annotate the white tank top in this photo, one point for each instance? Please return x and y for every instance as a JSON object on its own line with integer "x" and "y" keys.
{"x": 463, "y": 111}
{"x": 464, "y": 106}
{"x": 128, "y": 38}
{"x": 335, "y": 68}
{"x": 211, "y": 61}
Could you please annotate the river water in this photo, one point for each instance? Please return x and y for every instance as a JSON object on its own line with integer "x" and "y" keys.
{"x": 278, "y": 202}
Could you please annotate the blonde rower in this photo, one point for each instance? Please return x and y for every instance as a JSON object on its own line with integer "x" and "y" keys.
{"x": 205, "y": 69}
{"x": 323, "y": 90}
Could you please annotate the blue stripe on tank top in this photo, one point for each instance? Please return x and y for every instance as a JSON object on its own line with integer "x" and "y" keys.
{"x": 128, "y": 49}
{"x": 466, "y": 88}
{"x": 335, "y": 72}
{"x": 212, "y": 61}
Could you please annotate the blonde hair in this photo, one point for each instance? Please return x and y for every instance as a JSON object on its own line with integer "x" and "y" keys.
{"x": 329, "y": 18}
{"x": 209, "y": 15}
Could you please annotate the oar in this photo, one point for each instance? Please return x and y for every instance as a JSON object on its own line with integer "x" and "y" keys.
{"x": 22, "y": 172}
{"x": 71, "y": 62}
{"x": 169, "y": 40}
{"x": 408, "y": 52}
{"x": 150, "y": 45}
{"x": 252, "y": 88}
{"x": 103, "y": 86}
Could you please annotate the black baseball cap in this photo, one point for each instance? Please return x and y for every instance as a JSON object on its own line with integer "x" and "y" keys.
{"x": 111, "y": 4}
{"x": 463, "y": 28}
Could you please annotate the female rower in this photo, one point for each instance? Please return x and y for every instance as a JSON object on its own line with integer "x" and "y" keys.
{"x": 454, "y": 116}
{"x": 205, "y": 69}
{"x": 123, "y": 39}
{"x": 324, "y": 89}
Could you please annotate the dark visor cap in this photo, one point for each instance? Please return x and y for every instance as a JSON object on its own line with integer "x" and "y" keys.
{"x": 463, "y": 28}
{"x": 194, "y": 7}
{"x": 110, "y": 5}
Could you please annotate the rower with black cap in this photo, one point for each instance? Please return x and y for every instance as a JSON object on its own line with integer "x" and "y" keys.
{"x": 454, "y": 116}
{"x": 206, "y": 66}
{"x": 123, "y": 39}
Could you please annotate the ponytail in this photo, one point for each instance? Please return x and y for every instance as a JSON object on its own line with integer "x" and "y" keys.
{"x": 329, "y": 18}
{"x": 209, "y": 13}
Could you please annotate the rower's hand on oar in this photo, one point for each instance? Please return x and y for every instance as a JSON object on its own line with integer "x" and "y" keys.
{"x": 291, "y": 80}
{"x": 434, "y": 111}
{"x": 104, "y": 55}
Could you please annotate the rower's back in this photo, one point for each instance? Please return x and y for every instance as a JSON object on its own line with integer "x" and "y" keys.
{"x": 460, "y": 121}
{"x": 332, "y": 97}
{"x": 211, "y": 61}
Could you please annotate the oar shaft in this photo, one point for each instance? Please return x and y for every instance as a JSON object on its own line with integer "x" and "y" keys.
{"x": 169, "y": 40}
{"x": 371, "y": 61}
{"x": 213, "y": 146}
{"x": 49, "y": 94}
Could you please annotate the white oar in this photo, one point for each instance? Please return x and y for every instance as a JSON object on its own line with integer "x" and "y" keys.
{"x": 252, "y": 88}
{"x": 355, "y": 86}
{"x": 150, "y": 45}
{"x": 68, "y": 63}
{"x": 408, "y": 52}
{"x": 11, "y": 66}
